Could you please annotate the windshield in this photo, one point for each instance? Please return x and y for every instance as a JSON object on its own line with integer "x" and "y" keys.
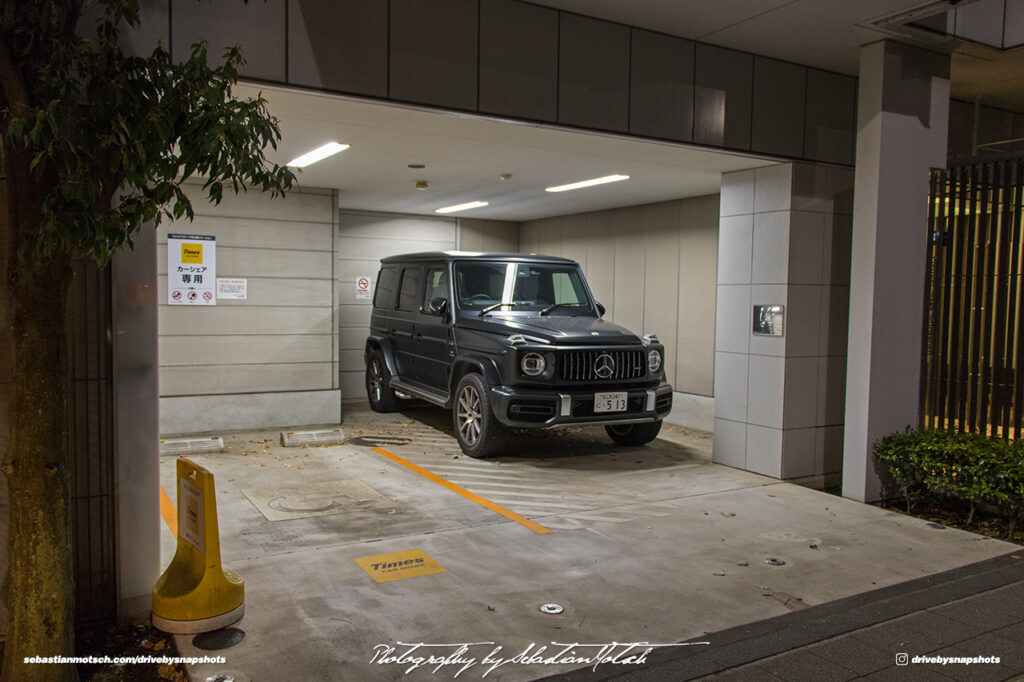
{"x": 523, "y": 286}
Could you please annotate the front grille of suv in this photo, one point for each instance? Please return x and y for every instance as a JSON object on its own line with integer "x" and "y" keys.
{"x": 582, "y": 365}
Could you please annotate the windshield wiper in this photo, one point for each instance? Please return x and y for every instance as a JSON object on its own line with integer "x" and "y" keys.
{"x": 494, "y": 307}
{"x": 560, "y": 305}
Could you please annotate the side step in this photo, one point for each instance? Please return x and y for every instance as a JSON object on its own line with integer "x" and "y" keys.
{"x": 420, "y": 391}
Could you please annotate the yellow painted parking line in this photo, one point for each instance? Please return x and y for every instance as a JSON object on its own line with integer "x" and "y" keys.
{"x": 168, "y": 511}
{"x": 496, "y": 508}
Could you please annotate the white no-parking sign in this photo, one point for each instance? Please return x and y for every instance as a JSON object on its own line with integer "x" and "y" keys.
{"x": 362, "y": 287}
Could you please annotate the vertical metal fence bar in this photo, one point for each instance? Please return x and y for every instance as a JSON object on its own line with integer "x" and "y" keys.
{"x": 1018, "y": 359}
{"x": 956, "y": 290}
{"x": 986, "y": 320}
{"x": 963, "y": 329}
{"x": 928, "y": 335}
{"x": 947, "y": 300}
{"x": 977, "y": 301}
{"x": 1000, "y": 274}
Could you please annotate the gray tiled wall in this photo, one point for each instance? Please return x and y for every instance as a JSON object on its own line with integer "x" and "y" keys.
{"x": 259, "y": 27}
{"x": 522, "y": 61}
{"x": 518, "y": 60}
{"x": 661, "y": 86}
{"x": 593, "y": 73}
{"x": 433, "y": 52}
{"x": 339, "y": 45}
{"x": 784, "y": 239}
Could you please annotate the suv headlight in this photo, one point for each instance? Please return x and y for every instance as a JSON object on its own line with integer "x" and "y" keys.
{"x": 654, "y": 361}
{"x": 533, "y": 364}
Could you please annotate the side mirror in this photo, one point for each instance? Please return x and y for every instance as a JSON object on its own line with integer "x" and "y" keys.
{"x": 600, "y": 308}
{"x": 438, "y": 306}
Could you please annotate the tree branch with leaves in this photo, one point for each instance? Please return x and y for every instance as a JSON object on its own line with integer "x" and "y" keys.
{"x": 95, "y": 144}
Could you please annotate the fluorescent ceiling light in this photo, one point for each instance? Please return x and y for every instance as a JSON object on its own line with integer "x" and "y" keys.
{"x": 461, "y": 207}
{"x": 587, "y": 183}
{"x": 318, "y": 154}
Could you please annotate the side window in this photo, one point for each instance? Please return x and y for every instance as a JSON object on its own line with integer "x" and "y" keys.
{"x": 409, "y": 294}
{"x": 437, "y": 286}
{"x": 384, "y": 295}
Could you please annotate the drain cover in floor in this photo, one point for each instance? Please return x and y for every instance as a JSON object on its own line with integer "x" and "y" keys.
{"x": 225, "y": 638}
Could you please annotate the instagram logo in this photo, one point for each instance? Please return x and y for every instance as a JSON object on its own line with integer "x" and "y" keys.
{"x": 901, "y": 659}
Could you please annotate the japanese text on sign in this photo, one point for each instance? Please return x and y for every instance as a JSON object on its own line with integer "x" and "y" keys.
{"x": 191, "y": 269}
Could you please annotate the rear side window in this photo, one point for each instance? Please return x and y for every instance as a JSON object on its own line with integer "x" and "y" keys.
{"x": 409, "y": 296}
{"x": 384, "y": 296}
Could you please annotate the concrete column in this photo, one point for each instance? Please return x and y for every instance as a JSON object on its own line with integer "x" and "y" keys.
{"x": 784, "y": 235}
{"x": 136, "y": 424}
{"x": 902, "y": 123}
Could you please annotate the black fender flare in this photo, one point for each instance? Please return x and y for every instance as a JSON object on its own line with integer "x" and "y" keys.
{"x": 382, "y": 344}
{"x": 484, "y": 365}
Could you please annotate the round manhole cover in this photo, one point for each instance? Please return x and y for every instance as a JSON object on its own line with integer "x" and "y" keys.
{"x": 379, "y": 441}
{"x": 553, "y": 609}
{"x": 772, "y": 561}
{"x": 225, "y": 638}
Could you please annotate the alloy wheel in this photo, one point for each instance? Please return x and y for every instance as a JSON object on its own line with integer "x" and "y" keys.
{"x": 468, "y": 412}
{"x": 374, "y": 380}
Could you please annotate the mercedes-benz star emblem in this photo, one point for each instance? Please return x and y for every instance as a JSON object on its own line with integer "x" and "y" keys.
{"x": 604, "y": 366}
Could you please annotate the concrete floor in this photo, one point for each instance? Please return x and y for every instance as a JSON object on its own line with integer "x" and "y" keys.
{"x": 650, "y": 544}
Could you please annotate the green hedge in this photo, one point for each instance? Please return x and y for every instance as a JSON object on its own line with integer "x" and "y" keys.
{"x": 941, "y": 465}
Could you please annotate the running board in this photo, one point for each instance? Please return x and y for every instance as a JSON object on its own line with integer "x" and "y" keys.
{"x": 430, "y": 396}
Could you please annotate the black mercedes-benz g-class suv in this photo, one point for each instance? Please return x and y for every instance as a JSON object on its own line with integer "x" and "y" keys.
{"x": 509, "y": 340}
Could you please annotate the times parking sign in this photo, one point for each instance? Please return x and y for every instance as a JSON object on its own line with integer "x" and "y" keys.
{"x": 191, "y": 269}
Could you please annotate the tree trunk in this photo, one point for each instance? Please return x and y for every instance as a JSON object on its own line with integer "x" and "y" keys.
{"x": 37, "y": 462}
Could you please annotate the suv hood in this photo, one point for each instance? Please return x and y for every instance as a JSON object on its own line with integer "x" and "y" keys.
{"x": 557, "y": 329}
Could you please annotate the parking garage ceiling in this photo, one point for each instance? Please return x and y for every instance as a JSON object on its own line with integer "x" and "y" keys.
{"x": 465, "y": 158}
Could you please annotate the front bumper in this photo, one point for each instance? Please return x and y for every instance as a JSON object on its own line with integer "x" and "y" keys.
{"x": 525, "y": 408}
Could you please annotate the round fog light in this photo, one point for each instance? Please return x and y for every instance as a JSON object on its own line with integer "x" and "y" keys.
{"x": 654, "y": 361}
{"x": 533, "y": 364}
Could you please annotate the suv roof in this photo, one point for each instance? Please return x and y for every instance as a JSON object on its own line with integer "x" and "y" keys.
{"x": 475, "y": 255}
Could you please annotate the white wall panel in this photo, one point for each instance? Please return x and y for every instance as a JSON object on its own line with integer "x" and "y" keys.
{"x": 282, "y": 336}
{"x": 654, "y": 268}
{"x": 245, "y": 350}
{"x": 221, "y": 379}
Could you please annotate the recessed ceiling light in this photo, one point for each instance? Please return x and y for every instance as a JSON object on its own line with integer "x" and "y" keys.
{"x": 461, "y": 207}
{"x": 318, "y": 154}
{"x": 417, "y": 165}
{"x": 587, "y": 183}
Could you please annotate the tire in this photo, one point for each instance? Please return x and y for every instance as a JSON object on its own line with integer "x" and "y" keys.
{"x": 633, "y": 434}
{"x": 477, "y": 430}
{"x": 378, "y": 388}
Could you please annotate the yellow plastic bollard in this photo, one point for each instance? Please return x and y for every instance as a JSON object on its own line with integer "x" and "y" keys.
{"x": 195, "y": 594}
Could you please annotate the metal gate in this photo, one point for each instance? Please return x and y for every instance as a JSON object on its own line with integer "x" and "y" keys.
{"x": 972, "y": 377}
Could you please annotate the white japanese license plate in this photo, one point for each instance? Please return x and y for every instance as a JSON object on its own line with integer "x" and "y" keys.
{"x": 610, "y": 402}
